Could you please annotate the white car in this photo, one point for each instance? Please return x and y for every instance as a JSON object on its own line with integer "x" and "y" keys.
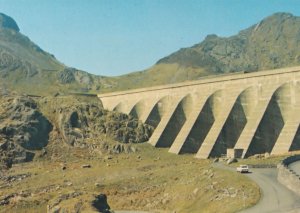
{"x": 243, "y": 169}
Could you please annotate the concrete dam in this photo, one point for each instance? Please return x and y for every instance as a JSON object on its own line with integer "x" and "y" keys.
{"x": 252, "y": 113}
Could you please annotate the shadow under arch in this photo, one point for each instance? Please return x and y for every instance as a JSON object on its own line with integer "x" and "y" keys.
{"x": 138, "y": 109}
{"x": 119, "y": 108}
{"x": 176, "y": 122}
{"x": 157, "y": 112}
{"x": 295, "y": 145}
{"x": 272, "y": 121}
{"x": 236, "y": 121}
{"x": 203, "y": 124}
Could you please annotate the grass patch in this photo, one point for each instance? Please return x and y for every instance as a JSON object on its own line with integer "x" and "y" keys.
{"x": 151, "y": 179}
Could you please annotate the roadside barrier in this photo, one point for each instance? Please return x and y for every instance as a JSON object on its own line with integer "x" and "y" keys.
{"x": 287, "y": 176}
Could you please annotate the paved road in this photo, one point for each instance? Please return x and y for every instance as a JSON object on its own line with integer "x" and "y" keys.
{"x": 275, "y": 197}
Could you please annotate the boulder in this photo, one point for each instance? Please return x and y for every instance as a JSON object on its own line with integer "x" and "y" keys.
{"x": 100, "y": 203}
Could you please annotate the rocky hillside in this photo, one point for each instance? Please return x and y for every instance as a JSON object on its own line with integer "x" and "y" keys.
{"x": 272, "y": 43}
{"x": 25, "y": 67}
{"x": 28, "y": 125}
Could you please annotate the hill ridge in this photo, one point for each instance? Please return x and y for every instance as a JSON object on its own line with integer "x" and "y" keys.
{"x": 273, "y": 42}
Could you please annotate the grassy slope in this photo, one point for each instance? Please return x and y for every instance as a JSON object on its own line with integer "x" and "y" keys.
{"x": 158, "y": 181}
{"x": 37, "y": 71}
{"x": 151, "y": 179}
{"x": 158, "y": 74}
{"x": 272, "y": 43}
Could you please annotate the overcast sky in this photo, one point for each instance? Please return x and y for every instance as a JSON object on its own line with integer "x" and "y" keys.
{"x": 114, "y": 37}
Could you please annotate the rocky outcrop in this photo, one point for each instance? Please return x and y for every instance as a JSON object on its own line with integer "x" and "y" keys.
{"x": 83, "y": 121}
{"x": 7, "y": 22}
{"x": 25, "y": 125}
{"x": 54, "y": 206}
{"x": 71, "y": 75}
{"x": 10, "y": 63}
{"x": 272, "y": 43}
{"x": 67, "y": 76}
{"x": 23, "y": 129}
{"x": 24, "y": 63}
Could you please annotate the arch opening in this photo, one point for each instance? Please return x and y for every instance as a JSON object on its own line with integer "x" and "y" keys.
{"x": 157, "y": 112}
{"x": 272, "y": 121}
{"x": 119, "y": 107}
{"x": 203, "y": 123}
{"x": 138, "y": 109}
{"x": 235, "y": 122}
{"x": 176, "y": 122}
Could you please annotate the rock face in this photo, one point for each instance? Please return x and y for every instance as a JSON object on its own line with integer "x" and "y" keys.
{"x": 8, "y": 23}
{"x": 25, "y": 125}
{"x": 83, "y": 120}
{"x": 22, "y": 129}
{"x": 272, "y": 43}
{"x": 24, "y": 66}
{"x": 72, "y": 75}
{"x": 66, "y": 76}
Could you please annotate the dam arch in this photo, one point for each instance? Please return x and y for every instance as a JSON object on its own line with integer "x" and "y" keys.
{"x": 119, "y": 108}
{"x": 203, "y": 123}
{"x": 138, "y": 109}
{"x": 176, "y": 122}
{"x": 236, "y": 121}
{"x": 158, "y": 111}
{"x": 273, "y": 121}
{"x": 258, "y": 98}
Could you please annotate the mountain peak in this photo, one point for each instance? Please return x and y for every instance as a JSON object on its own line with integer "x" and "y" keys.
{"x": 281, "y": 15}
{"x": 278, "y": 18}
{"x": 7, "y": 22}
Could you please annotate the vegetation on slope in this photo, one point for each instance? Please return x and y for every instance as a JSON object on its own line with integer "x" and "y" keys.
{"x": 25, "y": 67}
{"x": 78, "y": 150}
{"x": 151, "y": 180}
{"x": 272, "y": 43}
{"x": 27, "y": 125}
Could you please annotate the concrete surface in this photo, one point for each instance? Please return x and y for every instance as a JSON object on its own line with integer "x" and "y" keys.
{"x": 296, "y": 167}
{"x": 269, "y": 101}
{"x": 276, "y": 198}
